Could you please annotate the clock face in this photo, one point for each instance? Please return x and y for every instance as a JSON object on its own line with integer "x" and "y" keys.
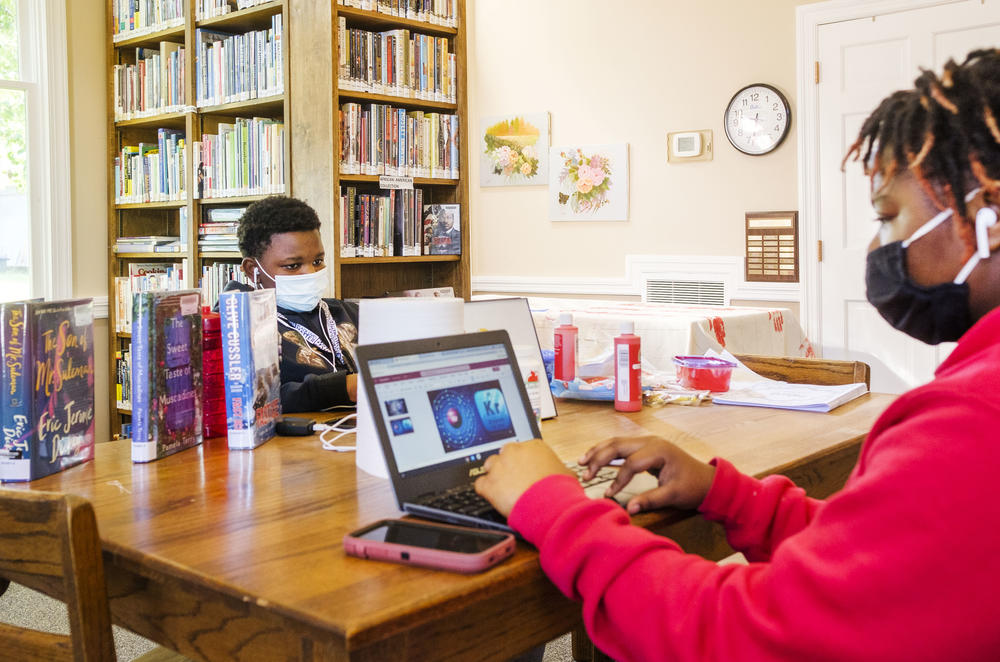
{"x": 757, "y": 119}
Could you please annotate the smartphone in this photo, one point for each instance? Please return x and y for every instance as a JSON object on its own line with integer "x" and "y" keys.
{"x": 349, "y": 424}
{"x": 439, "y": 546}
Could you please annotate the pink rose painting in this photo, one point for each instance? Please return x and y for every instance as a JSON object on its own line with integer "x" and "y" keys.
{"x": 589, "y": 183}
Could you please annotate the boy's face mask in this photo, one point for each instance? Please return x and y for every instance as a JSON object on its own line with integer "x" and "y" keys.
{"x": 300, "y": 293}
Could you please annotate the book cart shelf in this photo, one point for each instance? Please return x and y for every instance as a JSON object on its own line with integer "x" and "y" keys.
{"x": 357, "y": 277}
{"x": 138, "y": 219}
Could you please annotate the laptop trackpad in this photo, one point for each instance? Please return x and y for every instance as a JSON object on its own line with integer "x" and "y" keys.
{"x": 641, "y": 482}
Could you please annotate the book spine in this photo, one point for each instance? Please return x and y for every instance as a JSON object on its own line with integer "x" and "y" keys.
{"x": 239, "y": 369}
{"x": 143, "y": 443}
{"x": 16, "y": 421}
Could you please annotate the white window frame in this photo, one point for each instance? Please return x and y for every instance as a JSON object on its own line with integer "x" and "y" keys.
{"x": 44, "y": 80}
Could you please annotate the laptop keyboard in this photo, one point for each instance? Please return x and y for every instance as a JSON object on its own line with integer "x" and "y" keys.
{"x": 463, "y": 499}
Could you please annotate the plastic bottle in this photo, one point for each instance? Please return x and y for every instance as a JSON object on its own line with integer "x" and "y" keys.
{"x": 566, "y": 344}
{"x": 628, "y": 370}
{"x": 213, "y": 400}
{"x": 534, "y": 396}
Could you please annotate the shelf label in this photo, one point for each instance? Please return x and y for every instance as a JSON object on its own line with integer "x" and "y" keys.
{"x": 392, "y": 182}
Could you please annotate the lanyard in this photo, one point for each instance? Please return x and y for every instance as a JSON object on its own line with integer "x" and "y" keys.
{"x": 329, "y": 328}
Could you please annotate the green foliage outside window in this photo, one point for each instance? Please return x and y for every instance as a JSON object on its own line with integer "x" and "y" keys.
{"x": 13, "y": 145}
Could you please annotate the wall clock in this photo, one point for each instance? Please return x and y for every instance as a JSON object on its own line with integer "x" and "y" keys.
{"x": 757, "y": 119}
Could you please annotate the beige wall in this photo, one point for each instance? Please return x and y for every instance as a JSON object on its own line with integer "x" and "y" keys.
{"x": 88, "y": 158}
{"x": 628, "y": 71}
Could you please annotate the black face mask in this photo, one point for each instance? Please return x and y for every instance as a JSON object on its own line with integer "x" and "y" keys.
{"x": 935, "y": 314}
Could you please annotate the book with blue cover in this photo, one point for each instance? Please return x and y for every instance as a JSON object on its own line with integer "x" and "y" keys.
{"x": 251, "y": 366}
{"x": 46, "y": 387}
{"x": 166, "y": 373}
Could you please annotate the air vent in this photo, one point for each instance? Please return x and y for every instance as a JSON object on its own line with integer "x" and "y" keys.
{"x": 695, "y": 292}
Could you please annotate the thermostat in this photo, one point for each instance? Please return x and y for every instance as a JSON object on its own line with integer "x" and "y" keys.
{"x": 689, "y": 146}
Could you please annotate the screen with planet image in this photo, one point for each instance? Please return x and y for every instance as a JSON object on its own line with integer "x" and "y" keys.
{"x": 470, "y": 415}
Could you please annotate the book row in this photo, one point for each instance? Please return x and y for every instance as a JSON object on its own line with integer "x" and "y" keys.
{"x": 231, "y": 68}
{"x": 246, "y": 157}
{"x": 213, "y": 8}
{"x": 215, "y": 277}
{"x": 144, "y": 277}
{"x": 123, "y": 385}
{"x": 133, "y": 18}
{"x": 153, "y": 85}
{"x": 377, "y": 139}
{"x": 436, "y": 12}
{"x": 46, "y": 387}
{"x": 376, "y": 225}
{"x": 151, "y": 172}
{"x": 396, "y": 62}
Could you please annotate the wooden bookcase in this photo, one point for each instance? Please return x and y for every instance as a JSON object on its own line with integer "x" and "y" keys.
{"x": 309, "y": 108}
{"x": 357, "y": 277}
{"x": 163, "y": 218}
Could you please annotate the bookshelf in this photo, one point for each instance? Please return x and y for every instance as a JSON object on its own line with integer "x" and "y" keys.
{"x": 195, "y": 121}
{"x": 374, "y": 276}
{"x": 308, "y": 105}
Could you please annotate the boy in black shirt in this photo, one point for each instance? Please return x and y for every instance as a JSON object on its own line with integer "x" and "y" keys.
{"x": 282, "y": 249}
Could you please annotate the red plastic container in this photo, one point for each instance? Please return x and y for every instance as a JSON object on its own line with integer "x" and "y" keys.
{"x": 704, "y": 373}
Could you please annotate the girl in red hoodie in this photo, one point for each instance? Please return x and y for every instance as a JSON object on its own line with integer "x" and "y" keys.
{"x": 901, "y": 563}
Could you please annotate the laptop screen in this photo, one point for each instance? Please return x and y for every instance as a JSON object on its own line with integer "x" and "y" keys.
{"x": 449, "y": 406}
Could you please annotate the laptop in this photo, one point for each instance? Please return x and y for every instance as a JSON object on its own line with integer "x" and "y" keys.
{"x": 513, "y": 315}
{"x": 442, "y": 406}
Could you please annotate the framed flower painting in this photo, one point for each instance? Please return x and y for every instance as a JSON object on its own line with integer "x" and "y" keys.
{"x": 589, "y": 183}
{"x": 514, "y": 150}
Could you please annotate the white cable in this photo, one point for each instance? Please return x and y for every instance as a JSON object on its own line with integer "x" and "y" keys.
{"x": 328, "y": 443}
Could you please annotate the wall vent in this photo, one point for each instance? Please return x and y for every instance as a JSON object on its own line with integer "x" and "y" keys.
{"x": 693, "y": 292}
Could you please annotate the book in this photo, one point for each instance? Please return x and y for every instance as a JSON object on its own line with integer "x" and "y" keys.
{"x": 749, "y": 389}
{"x": 46, "y": 387}
{"x": 442, "y": 230}
{"x": 252, "y": 371}
{"x": 166, "y": 373}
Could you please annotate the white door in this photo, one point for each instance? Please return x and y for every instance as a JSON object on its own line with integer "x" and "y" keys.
{"x": 861, "y": 62}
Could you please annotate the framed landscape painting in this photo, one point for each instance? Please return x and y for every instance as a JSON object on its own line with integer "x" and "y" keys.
{"x": 514, "y": 150}
{"x": 588, "y": 183}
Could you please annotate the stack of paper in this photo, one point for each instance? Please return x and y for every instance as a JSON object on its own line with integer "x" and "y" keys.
{"x": 751, "y": 390}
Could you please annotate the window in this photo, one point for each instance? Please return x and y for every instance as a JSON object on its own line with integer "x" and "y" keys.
{"x": 34, "y": 184}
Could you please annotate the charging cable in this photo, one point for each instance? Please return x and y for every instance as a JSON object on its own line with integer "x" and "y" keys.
{"x": 338, "y": 427}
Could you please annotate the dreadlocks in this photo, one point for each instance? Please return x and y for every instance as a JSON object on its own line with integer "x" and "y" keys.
{"x": 944, "y": 131}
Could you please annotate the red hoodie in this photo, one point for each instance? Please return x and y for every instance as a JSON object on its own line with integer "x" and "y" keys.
{"x": 898, "y": 565}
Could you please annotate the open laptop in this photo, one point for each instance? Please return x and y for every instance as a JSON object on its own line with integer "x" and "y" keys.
{"x": 513, "y": 315}
{"x": 442, "y": 406}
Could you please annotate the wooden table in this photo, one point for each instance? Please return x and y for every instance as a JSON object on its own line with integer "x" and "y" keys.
{"x": 236, "y": 555}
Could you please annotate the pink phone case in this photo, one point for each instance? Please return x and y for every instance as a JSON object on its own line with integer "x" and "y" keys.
{"x": 432, "y": 558}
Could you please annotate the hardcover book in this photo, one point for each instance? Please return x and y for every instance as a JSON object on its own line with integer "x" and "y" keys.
{"x": 46, "y": 387}
{"x": 250, "y": 359}
{"x": 166, "y": 373}
{"x": 442, "y": 234}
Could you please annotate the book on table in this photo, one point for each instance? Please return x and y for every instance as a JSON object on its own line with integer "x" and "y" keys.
{"x": 252, "y": 370}
{"x": 749, "y": 389}
{"x": 46, "y": 387}
{"x": 166, "y": 373}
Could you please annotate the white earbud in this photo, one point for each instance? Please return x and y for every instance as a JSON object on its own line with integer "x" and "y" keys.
{"x": 985, "y": 218}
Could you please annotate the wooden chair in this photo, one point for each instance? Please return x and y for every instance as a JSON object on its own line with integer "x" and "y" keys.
{"x": 52, "y": 539}
{"x": 808, "y": 371}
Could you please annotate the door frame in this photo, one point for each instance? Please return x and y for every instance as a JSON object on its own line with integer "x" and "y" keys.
{"x": 808, "y": 19}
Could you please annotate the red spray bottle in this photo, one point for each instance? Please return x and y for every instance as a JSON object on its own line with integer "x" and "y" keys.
{"x": 628, "y": 370}
{"x": 566, "y": 344}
